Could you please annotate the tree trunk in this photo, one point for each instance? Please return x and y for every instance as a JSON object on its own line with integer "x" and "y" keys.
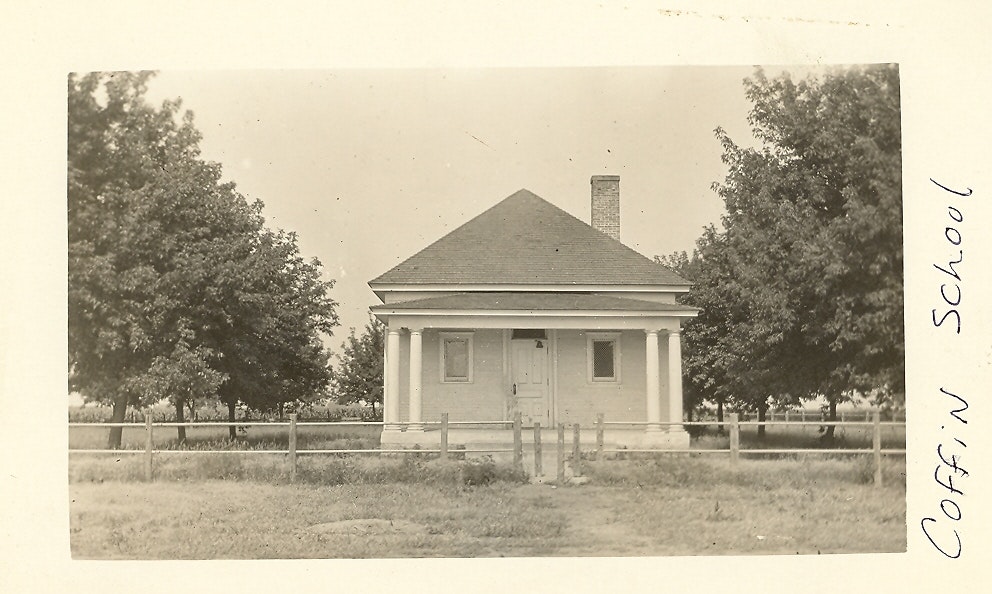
{"x": 282, "y": 411}
{"x": 828, "y": 435}
{"x": 719, "y": 416}
{"x": 233, "y": 431}
{"x": 120, "y": 410}
{"x": 180, "y": 418}
{"x": 762, "y": 411}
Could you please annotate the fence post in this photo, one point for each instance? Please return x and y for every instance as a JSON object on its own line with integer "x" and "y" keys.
{"x": 149, "y": 446}
{"x": 803, "y": 413}
{"x": 786, "y": 416}
{"x": 561, "y": 453}
{"x": 876, "y": 443}
{"x": 576, "y": 452}
{"x": 735, "y": 438}
{"x": 518, "y": 446}
{"x": 599, "y": 436}
{"x": 292, "y": 447}
{"x": 538, "y": 462}
{"x": 444, "y": 436}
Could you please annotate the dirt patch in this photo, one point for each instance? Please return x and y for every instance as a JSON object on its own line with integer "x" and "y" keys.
{"x": 368, "y": 526}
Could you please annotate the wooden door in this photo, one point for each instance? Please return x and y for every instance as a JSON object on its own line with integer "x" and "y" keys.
{"x": 529, "y": 373}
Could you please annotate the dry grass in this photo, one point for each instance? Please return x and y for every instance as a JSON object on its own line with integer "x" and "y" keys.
{"x": 653, "y": 506}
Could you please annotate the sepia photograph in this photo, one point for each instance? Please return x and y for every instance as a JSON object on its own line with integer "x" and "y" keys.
{"x": 482, "y": 297}
{"x": 494, "y": 312}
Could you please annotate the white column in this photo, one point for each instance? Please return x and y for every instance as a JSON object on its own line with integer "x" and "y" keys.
{"x": 653, "y": 391}
{"x": 391, "y": 387}
{"x": 675, "y": 380}
{"x": 416, "y": 383}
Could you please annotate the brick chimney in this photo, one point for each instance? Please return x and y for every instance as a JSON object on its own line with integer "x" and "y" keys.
{"x": 606, "y": 204}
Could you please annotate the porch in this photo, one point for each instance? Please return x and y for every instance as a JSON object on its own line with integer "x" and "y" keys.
{"x": 553, "y": 358}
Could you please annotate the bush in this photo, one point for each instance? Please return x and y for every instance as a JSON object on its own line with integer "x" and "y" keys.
{"x": 695, "y": 431}
{"x": 485, "y": 471}
{"x": 318, "y": 470}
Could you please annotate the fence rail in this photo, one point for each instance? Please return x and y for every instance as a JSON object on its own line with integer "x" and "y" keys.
{"x": 574, "y": 456}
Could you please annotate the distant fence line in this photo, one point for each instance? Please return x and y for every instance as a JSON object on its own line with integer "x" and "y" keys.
{"x": 732, "y": 422}
{"x": 821, "y": 416}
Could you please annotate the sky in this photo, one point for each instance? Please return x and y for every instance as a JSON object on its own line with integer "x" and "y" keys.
{"x": 370, "y": 166}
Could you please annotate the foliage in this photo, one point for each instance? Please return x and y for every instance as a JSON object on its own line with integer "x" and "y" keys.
{"x": 171, "y": 271}
{"x": 358, "y": 376}
{"x": 317, "y": 470}
{"x": 211, "y": 410}
{"x": 801, "y": 291}
{"x": 485, "y": 471}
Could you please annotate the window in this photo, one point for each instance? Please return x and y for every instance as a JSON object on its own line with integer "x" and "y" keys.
{"x": 603, "y": 353}
{"x": 539, "y": 334}
{"x": 456, "y": 357}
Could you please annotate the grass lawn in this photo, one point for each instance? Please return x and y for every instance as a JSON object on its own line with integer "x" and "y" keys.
{"x": 397, "y": 508}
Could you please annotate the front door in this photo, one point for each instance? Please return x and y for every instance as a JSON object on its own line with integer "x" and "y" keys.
{"x": 530, "y": 380}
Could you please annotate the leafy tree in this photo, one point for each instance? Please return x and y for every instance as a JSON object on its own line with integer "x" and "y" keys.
{"x": 358, "y": 376}
{"x": 695, "y": 386}
{"x": 802, "y": 289}
{"x": 182, "y": 377}
{"x": 176, "y": 288}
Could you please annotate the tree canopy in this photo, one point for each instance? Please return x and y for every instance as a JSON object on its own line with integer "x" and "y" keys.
{"x": 358, "y": 376}
{"x": 801, "y": 289}
{"x": 176, "y": 287}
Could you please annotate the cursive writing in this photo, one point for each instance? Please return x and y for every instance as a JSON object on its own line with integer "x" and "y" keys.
{"x": 952, "y": 296}
{"x": 939, "y": 531}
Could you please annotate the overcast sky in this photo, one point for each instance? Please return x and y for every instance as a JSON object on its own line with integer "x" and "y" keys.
{"x": 370, "y": 166}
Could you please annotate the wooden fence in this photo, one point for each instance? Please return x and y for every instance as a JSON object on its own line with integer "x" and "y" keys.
{"x": 564, "y": 454}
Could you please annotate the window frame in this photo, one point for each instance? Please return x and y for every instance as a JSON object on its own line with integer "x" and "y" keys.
{"x": 468, "y": 337}
{"x": 592, "y": 337}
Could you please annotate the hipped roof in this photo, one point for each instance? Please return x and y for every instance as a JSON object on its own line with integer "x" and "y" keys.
{"x": 525, "y": 240}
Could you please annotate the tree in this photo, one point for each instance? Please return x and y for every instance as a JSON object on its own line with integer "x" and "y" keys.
{"x": 171, "y": 271}
{"x": 694, "y": 384}
{"x": 802, "y": 289}
{"x": 182, "y": 377}
{"x": 358, "y": 376}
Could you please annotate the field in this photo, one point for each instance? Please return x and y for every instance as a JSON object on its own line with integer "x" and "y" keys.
{"x": 232, "y": 506}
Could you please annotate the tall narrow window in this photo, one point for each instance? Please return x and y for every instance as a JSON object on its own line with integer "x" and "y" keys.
{"x": 603, "y": 351}
{"x": 456, "y": 357}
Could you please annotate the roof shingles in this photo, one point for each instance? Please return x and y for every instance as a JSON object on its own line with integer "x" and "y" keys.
{"x": 525, "y": 240}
